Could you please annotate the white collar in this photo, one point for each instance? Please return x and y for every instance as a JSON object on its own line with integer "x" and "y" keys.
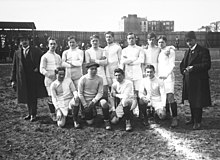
{"x": 26, "y": 48}
{"x": 193, "y": 47}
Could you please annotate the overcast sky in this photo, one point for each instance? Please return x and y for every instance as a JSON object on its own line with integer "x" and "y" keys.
{"x": 104, "y": 15}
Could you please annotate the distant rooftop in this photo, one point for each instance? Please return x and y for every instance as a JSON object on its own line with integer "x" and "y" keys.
{"x": 17, "y": 25}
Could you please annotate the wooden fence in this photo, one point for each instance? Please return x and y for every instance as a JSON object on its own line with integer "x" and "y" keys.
{"x": 208, "y": 39}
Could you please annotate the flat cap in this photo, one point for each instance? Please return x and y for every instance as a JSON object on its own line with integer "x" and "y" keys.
{"x": 91, "y": 64}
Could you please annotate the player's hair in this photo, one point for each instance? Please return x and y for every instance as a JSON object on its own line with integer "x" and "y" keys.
{"x": 119, "y": 70}
{"x": 51, "y": 38}
{"x": 109, "y": 32}
{"x": 163, "y": 37}
{"x": 149, "y": 66}
{"x": 60, "y": 69}
{"x": 71, "y": 37}
{"x": 130, "y": 33}
{"x": 94, "y": 36}
{"x": 151, "y": 35}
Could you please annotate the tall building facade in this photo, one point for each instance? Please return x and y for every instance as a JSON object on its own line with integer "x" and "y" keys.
{"x": 132, "y": 23}
{"x": 160, "y": 26}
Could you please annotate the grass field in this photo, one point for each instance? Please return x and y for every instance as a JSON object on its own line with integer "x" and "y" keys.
{"x": 22, "y": 140}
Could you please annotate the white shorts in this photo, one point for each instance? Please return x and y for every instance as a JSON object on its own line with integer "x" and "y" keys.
{"x": 169, "y": 83}
{"x": 136, "y": 84}
{"x": 110, "y": 68}
{"x": 169, "y": 87}
{"x": 66, "y": 106}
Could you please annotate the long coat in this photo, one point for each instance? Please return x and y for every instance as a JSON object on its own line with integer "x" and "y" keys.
{"x": 19, "y": 75}
{"x": 196, "y": 83}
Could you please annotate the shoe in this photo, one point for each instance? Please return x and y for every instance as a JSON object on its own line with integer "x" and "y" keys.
{"x": 53, "y": 116}
{"x": 76, "y": 124}
{"x": 33, "y": 118}
{"x": 27, "y": 117}
{"x": 174, "y": 122}
{"x": 196, "y": 126}
{"x": 107, "y": 125}
{"x": 189, "y": 122}
{"x": 128, "y": 126}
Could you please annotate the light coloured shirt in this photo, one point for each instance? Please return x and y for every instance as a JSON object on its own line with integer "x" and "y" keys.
{"x": 72, "y": 59}
{"x": 151, "y": 57}
{"x": 132, "y": 58}
{"x": 123, "y": 90}
{"x": 49, "y": 62}
{"x": 194, "y": 47}
{"x": 90, "y": 89}
{"x": 153, "y": 90}
{"x": 113, "y": 54}
{"x": 98, "y": 56}
{"x": 63, "y": 92}
{"x": 166, "y": 62}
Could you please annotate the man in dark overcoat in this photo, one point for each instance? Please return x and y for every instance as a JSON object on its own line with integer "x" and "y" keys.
{"x": 194, "y": 68}
{"x": 26, "y": 78}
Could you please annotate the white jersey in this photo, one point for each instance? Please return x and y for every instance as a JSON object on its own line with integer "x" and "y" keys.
{"x": 131, "y": 59}
{"x": 166, "y": 64}
{"x": 62, "y": 94}
{"x": 113, "y": 54}
{"x": 151, "y": 57}
{"x": 72, "y": 60}
{"x": 98, "y": 56}
{"x": 48, "y": 64}
{"x": 154, "y": 91}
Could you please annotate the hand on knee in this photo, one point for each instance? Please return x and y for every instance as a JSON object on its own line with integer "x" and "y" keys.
{"x": 161, "y": 113}
{"x": 61, "y": 122}
{"x": 126, "y": 102}
{"x": 59, "y": 115}
{"x": 103, "y": 103}
{"x": 114, "y": 118}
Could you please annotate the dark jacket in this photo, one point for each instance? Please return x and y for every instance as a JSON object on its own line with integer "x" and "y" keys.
{"x": 20, "y": 76}
{"x": 196, "y": 83}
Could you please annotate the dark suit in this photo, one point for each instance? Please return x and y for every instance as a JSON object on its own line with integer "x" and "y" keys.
{"x": 196, "y": 82}
{"x": 29, "y": 82}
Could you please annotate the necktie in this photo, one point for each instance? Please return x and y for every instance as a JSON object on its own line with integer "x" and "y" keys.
{"x": 190, "y": 55}
{"x": 26, "y": 52}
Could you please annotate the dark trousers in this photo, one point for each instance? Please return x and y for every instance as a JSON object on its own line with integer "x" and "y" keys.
{"x": 31, "y": 97}
{"x": 196, "y": 114}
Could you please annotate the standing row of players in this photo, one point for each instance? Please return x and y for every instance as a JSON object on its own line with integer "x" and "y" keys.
{"x": 111, "y": 69}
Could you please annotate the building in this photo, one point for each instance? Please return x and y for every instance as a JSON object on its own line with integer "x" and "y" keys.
{"x": 130, "y": 24}
{"x": 135, "y": 24}
{"x": 215, "y": 26}
{"x": 160, "y": 26}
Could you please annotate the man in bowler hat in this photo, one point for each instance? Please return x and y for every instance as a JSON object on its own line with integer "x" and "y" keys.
{"x": 26, "y": 78}
{"x": 194, "y": 68}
